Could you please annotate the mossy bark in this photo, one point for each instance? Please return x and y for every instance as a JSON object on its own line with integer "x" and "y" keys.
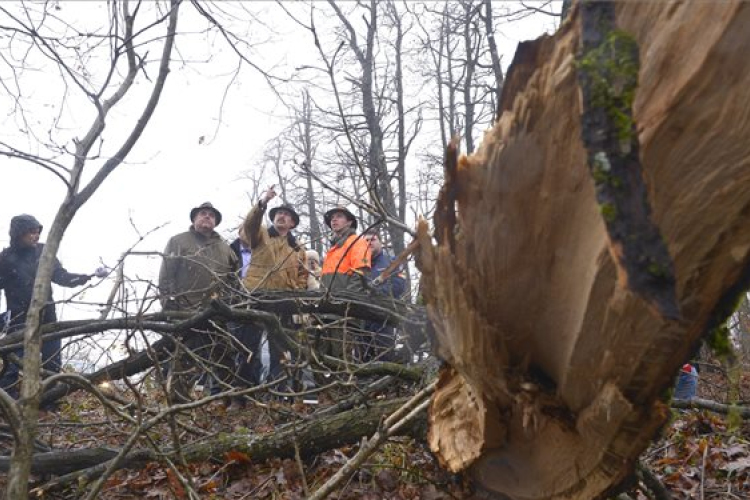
{"x": 312, "y": 437}
{"x": 607, "y": 65}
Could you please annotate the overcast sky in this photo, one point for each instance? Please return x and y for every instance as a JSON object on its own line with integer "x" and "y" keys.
{"x": 172, "y": 169}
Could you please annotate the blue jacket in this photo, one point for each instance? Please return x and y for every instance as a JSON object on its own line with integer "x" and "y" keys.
{"x": 395, "y": 285}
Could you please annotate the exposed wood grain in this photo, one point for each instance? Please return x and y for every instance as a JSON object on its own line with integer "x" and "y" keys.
{"x": 527, "y": 309}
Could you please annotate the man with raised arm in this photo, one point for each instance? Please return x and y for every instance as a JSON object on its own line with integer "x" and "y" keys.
{"x": 278, "y": 263}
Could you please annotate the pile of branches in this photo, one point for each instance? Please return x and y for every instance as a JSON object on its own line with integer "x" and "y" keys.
{"x": 132, "y": 394}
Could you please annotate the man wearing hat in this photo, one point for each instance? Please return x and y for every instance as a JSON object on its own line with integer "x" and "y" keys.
{"x": 198, "y": 265}
{"x": 345, "y": 267}
{"x": 18, "y": 267}
{"x": 348, "y": 259}
{"x": 278, "y": 263}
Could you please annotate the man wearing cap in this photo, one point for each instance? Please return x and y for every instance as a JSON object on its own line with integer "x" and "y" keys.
{"x": 346, "y": 267}
{"x": 198, "y": 266}
{"x": 278, "y": 263}
{"x": 347, "y": 263}
{"x": 18, "y": 267}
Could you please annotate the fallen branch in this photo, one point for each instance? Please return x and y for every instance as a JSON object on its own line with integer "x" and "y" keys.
{"x": 357, "y": 306}
{"x": 401, "y": 417}
{"x": 313, "y": 437}
{"x": 714, "y": 406}
{"x": 655, "y": 486}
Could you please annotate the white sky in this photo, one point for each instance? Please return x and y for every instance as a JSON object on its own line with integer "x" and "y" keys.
{"x": 169, "y": 172}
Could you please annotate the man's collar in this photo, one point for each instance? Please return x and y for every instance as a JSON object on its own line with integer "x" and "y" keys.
{"x": 197, "y": 233}
{"x": 338, "y": 239}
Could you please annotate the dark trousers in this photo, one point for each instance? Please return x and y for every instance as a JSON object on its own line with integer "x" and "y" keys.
{"x": 200, "y": 351}
{"x": 249, "y": 359}
{"x": 378, "y": 343}
{"x": 51, "y": 361}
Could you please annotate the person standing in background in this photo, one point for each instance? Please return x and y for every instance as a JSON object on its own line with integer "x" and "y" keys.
{"x": 18, "y": 267}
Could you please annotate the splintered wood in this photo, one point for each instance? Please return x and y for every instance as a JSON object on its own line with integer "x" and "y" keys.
{"x": 554, "y": 368}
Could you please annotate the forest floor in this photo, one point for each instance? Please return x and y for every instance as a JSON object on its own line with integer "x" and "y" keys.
{"x": 699, "y": 455}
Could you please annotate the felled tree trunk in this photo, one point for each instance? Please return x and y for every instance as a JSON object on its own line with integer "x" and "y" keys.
{"x": 312, "y": 438}
{"x": 583, "y": 250}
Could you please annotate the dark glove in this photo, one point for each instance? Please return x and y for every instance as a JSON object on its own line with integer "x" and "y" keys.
{"x": 80, "y": 279}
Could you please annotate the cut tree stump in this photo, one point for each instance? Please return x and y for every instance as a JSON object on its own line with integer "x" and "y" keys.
{"x": 563, "y": 308}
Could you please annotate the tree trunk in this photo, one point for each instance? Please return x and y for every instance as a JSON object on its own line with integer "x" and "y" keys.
{"x": 468, "y": 80}
{"x": 497, "y": 69}
{"x": 78, "y": 194}
{"x": 305, "y": 145}
{"x": 312, "y": 438}
{"x": 559, "y": 341}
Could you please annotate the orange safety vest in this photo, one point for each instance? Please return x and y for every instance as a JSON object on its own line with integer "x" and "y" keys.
{"x": 356, "y": 257}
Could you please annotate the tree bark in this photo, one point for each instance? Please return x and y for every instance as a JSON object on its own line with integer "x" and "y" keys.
{"x": 28, "y": 404}
{"x": 313, "y": 437}
{"x": 497, "y": 70}
{"x": 557, "y": 354}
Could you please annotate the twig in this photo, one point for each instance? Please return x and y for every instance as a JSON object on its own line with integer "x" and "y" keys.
{"x": 390, "y": 426}
{"x": 652, "y": 482}
{"x": 703, "y": 472}
{"x": 297, "y": 457}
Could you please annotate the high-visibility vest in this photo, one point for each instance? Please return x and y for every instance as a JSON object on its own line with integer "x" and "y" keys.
{"x": 356, "y": 257}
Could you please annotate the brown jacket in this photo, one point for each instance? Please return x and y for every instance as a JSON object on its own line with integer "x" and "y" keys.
{"x": 274, "y": 264}
{"x": 196, "y": 269}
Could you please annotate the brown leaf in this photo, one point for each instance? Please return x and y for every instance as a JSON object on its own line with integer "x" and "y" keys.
{"x": 176, "y": 485}
{"x": 236, "y": 457}
{"x": 209, "y": 486}
{"x": 291, "y": 470}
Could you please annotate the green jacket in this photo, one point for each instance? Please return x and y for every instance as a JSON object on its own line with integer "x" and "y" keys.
{"x": 196, "y": 269}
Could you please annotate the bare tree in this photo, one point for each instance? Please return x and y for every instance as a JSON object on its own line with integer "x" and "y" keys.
{"x": 37, "y": 28}
{"x": 370, "y": 125}
{"x": 304, "y": 143}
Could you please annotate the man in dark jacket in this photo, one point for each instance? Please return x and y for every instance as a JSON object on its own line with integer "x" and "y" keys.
{"x": 18, "y": 268}
{"x": 198, "y": 266}
{"x": 382, "y": 340}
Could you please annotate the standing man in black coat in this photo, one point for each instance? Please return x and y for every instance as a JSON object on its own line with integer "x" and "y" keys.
{"x": 18, "y": 267}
